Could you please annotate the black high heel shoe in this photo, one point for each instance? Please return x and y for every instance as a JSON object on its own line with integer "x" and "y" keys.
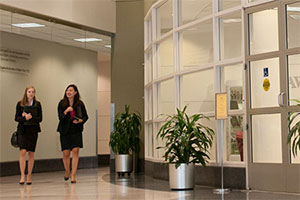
{"x": 66, "y": 178}
{"x": 21, "y": 183}
{"x": 73, "y": 181}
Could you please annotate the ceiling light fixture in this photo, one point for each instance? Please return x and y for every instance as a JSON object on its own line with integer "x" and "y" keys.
{"x": 28, "y": 25}
{"x": 88, "y": 39}
{"x": 108, "y": 46}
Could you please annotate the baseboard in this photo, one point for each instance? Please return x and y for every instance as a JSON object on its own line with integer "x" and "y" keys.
{"x": 46, "y": 165}
{"x": 103, "y": 160}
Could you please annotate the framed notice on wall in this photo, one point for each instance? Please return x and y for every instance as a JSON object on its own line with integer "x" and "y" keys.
{"x": 221, "y": 109}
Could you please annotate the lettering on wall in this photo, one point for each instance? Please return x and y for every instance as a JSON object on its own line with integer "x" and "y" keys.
{"x": 14, "y": 60}
{"x": 294, "y": 81}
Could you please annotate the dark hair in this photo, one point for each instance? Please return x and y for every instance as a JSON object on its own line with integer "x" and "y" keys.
{"x": 65, "y": 100}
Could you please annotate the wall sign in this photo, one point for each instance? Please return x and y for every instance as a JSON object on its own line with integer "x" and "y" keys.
{"x": 221, "y": 106}
{"x": 266, "y": 72}
{"x": 14, "y": 60}
{"x": 266, "y": 84}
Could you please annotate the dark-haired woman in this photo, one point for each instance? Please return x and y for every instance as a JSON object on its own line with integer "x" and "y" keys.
{"x": 29, "y": 116}
{"x": 72, "y": 115}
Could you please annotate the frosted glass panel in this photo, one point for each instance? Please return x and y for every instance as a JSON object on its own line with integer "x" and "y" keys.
{"x": 149, "y": 32}
{"x": 149, "y": 68}
{"x": 198, "y": 92}
{"x": 165, "y": 18}
{"x": 266, "y": 138}
{"x": 149, "y": 104}
{"x": 294, "y": 78}
{"x": 225, "y": 4}
{"x": 234, "y": 139}
{"x": 295, "y": 159}
{"x": 263, "y": 27}
{"x": 231, "y": 36}
{"x": 211, "y": 123}
{"x": 166, "y": 97}
{"x": 194, "y": 9}
{"x": 197, "y": 45}
{"x": 150, "y": 150}
{"x": 165, "y": 57}
{"x": 233, "y": 80}
{"x": 293, "y": 25}
{"x": 264, "y": 73}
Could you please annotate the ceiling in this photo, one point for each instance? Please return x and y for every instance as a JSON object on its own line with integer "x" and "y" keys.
{"x": 53, "y": 32}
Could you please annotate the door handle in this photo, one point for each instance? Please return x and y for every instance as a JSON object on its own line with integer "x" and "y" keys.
{"x": 281, "y": 98}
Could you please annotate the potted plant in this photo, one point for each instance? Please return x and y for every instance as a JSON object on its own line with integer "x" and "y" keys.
{"x": 187, "y": 142}
{"x": 294, "y": 130}
{"x": 124, "y": 139}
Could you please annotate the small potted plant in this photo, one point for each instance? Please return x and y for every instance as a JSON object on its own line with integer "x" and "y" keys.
{"x": 294, "y": 130}
{"x": 124, "y": 139}
{"x": 187, "y": 142}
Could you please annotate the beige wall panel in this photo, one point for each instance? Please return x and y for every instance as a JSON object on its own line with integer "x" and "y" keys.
{"x": 52, "y": 67}
{"x": 103, "y": 127}
{"x": 104, "y": 103}
{"x": 103, "y": 147}
{"x": 100, "y": 14}
{"x": 104, "y": 76}
{"x": 127, "y": 68}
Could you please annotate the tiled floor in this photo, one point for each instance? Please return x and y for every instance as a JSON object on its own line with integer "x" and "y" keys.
{"x": 99, "y": 184}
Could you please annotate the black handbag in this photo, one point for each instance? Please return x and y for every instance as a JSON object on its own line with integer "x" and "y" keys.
{"x": 14, "y": 139}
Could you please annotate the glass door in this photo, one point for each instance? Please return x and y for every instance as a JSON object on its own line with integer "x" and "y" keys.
{"x": 270, "y": 66}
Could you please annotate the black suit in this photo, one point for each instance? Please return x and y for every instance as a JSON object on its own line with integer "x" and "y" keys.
{"x": 27, "y": 134}
{"x": 70, "y": 133}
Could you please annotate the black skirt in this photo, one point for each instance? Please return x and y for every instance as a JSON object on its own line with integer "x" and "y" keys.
{"x": 27, "y": 139}
{"x": 70, "y": 141}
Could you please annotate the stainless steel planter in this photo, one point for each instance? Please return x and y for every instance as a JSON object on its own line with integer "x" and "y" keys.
{"x": 123, "y": 163}
{"x": 182, "y": 177}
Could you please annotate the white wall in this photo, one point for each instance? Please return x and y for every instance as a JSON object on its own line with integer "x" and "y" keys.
{"x": 100, "y": 14}
{"x": 52, "y": 67}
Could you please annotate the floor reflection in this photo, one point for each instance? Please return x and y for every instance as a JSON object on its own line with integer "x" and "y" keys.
{"x": 99, "y": 184}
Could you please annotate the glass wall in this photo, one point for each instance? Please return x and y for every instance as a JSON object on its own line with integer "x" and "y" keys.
{"x": 191, "y": 39}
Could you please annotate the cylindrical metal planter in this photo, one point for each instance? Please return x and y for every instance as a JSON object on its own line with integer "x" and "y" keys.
{"x": 182, "y": 177}
{"x": 123, "y": 163}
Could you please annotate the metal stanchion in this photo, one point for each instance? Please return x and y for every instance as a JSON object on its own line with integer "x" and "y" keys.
{"x": 221, "y": 190}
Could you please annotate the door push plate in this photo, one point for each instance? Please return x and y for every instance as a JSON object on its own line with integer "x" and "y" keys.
{"x": 281, "y": 99}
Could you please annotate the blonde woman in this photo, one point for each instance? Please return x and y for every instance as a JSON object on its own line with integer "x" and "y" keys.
{"x": 28, "y": 115}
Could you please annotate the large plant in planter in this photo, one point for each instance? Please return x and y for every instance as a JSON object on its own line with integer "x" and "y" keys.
{"x": 294, "y": 130}
{"x": 124, "y": 139}
{"x": 187, "y": 142}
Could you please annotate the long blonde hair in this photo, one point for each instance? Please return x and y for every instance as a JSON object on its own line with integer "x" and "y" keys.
{"x": 24, "y": 100}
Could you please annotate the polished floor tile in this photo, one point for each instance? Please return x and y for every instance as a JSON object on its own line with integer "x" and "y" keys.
{"x": 99, "y": 184}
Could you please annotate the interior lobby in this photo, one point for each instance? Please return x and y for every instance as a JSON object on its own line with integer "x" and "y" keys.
{"x": 156, "y": 56}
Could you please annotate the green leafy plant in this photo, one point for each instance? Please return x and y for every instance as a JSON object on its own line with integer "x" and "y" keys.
{"x": 186, "y": 140}
{"x": 125, "y": 137}
{"x": 294, "y": 131}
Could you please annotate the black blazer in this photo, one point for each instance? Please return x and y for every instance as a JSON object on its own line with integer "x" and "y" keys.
{"x": 35, "y": 120}
{"x": 65, "y": 121}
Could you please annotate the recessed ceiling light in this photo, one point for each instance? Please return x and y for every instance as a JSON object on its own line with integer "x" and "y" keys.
{"x": 108, "y": 46}
{"x": 28, "y": 25}
{"x": 227, "y": 21}
{"x": 88, "y": 39}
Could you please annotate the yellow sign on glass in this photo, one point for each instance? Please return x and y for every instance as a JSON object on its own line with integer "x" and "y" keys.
{"x": 221, "y": 106}
{"x": 266, "y": 84}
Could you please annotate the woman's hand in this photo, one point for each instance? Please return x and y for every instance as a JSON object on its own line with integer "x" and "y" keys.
{"x": 28, "y": 116}
{"x": 24, "y": 114}
{"x": 75, "y": 121}
{"x": 69, "y": 109}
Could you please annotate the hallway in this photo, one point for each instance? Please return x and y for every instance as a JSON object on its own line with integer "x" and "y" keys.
{"x": 97, "y": 184}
